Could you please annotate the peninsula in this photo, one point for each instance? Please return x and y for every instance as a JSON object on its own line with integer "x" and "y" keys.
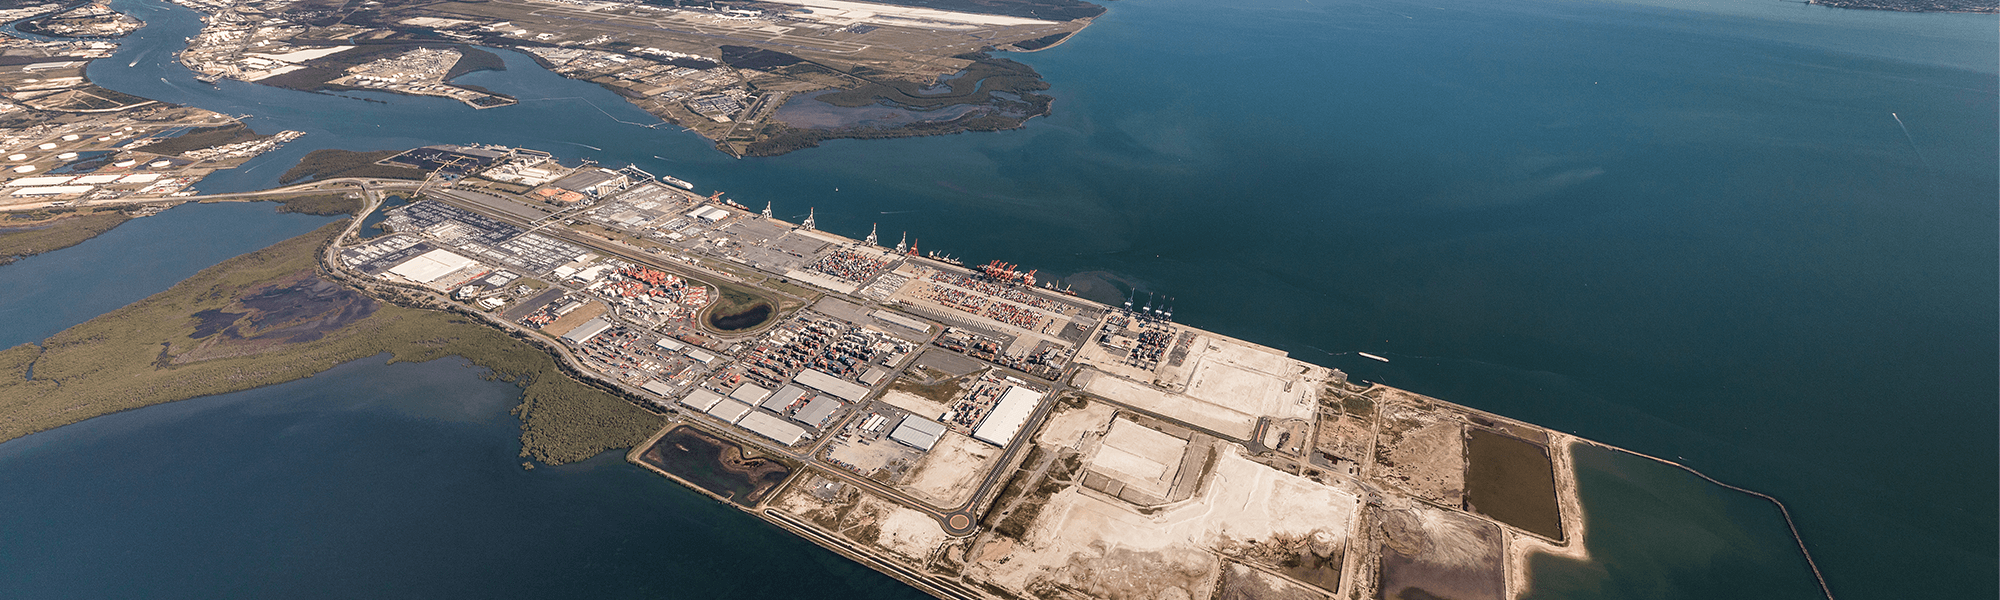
{"x": 973, "y": 432}
{"x": 758, "y": 78}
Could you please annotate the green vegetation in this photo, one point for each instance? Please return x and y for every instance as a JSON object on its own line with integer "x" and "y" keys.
{"x": 206, "y": 137}
{"x": 321, "y": 204}
{"x": 28, "y": 239}
{"x": 333, "y": 163}
{"x": 1016, "y": 102}
{"x": 144, "y": 354}
{"x": 1359, "y": 406}
{"x": 941, "y": 392}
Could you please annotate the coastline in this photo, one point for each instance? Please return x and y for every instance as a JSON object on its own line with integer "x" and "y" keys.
{"x": 22, "y": 240}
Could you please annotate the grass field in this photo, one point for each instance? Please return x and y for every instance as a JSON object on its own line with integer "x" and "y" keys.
{"x": 127, "y": 358}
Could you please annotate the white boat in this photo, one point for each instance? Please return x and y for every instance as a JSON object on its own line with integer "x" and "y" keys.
{"x": 678, "y": 183}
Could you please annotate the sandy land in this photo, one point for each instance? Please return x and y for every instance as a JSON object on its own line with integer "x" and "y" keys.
{"x": 913, "y": 403}
{"x": 1067, "y": 427}
{"x": 569, "y": 321}
{"x": 1214, "y": 417}
{"x": 946, "y": 476}
{"x": 1082, "y": 536}
{"x": 866, "y": 520}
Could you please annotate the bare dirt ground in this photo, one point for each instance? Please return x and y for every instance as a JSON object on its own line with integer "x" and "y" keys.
{"x": 1214, "y": 417}
{"x": 945, "y": 477}
{"x": 1428, "y": 552}
{"x": 1068, "y": 426}
{"x": 1421, "y": 452}
{"x": 913, "y": 403}
{"x": 1240, "y": 582}
{"x": 1084, "y": 541}
{"x": 569, "y": 321}
{"x": 866, "y": 520}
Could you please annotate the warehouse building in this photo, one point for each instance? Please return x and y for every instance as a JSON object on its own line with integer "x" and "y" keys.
{"x": 1007, "y": 416}
{"x": 784, "y": 399}
{"x": 772, "y": 427}
{"x": 918, "y": 432}
{"x": 817, "y": 412}
{"x": 730, "y": 411}
{"x": 839, "y": 388}
{"x": 589, "y": 329}
{"x": 701, "y": 400}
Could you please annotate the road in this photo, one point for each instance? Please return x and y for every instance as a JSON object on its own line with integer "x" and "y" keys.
{"x": 342, "y": 184}
{"x": 957, "y": 521}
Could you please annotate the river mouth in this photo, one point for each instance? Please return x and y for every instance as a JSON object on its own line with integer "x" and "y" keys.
{"x": 755, "y": 315}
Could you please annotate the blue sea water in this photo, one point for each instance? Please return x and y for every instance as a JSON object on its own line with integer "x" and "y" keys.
{"x": 371, "y": 481}
{"x": 1693, "y": 229}
{"x": 43, "y": 294}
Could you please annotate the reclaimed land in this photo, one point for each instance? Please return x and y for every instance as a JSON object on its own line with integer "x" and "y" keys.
{"x": 1016, "y": 84}
{"x": 27, "y": 234}
{"x": 714, "y": 465}
{"x": 206, "y": 137}
{"x": 333, "y": 163}
{"x": 267, "y": 317}
{"x": 1512, "y": 481}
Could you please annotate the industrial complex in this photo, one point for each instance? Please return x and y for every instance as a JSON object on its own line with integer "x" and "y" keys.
{"x": 975, "y": 432}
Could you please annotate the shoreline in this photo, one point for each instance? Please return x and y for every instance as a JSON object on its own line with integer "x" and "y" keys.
{"x": 1516, "y": 547}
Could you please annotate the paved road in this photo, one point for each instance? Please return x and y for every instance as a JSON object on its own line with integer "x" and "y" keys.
{"x": 957, "y": 521}
{"x": 341, "y": 184}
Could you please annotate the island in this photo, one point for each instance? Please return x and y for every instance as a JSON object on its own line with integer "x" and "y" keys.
{"x": 758, "y": 78}
{"x": 973, "y": 431}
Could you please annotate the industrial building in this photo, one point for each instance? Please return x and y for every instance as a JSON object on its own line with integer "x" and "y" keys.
{"x": 782, "y": 400}
{"x": 701, "y": 400}
{"x": 589, "y": 329}
{"x": 750, "y": 394}
{"x": 773, "y": 427}
{"x": 817, "y": 412}
{"x": 709, "y": 214}
{"x": 431, "y": 266}
{"x": 1007, "y": 416}
{"x": 918, "y": 432}
{"x": 730, "y": 411}
{"x": 825, "y": 382}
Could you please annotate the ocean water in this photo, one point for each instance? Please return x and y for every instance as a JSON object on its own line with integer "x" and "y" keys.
{"x": 43, "y": 294}
{"x": 1755, "y": 237}
{"x": 372, "y": 481}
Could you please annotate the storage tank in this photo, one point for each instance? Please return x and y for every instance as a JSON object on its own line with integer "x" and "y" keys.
{"x": 66, "y": 155}
{"x": 72, "y": 137}
{"x": 47, "y": 146}
{"x": 24, "y": 169}
{"x": 159, "y": 163}
{"x": 17, "y": 157}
